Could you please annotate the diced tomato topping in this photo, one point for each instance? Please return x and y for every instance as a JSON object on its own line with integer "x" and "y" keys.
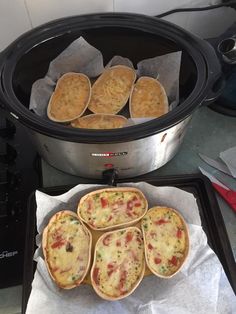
{"x": 157, "y": 260}
{"x": 110, "y": 218}
{"x": 150, "y": 246}
{"x": 89, "y": 205}
{"x": 153, "y": 234}
{"x": 129, "y": 214}
{"x": 58, "y": 244}
{"x": 174, "y": 260}
{"x": 106, "y": 240}
{"x": 129, "y": 237}
{"x": 179, "y": 233}
{"x": 129, "y": 205}
{"x": 118, "y": 243}
{"x": 137, "y": 204}
{"x": 161, "y": 222}
{"x": 135, "y": 198}
{"x": 123, "y": 277}
{"x": 110, "y": 265}
{"x": 139, "y": 240}
{"x": 134, "y": 255}
{"x": 95, "y": 275}
{"x": 104, "y": 202}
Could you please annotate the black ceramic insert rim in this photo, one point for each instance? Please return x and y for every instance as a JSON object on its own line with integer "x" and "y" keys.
{"x": 195, "y": 47}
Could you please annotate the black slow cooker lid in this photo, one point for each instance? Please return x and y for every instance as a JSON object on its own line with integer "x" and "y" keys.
{"x": 202, "y": 54}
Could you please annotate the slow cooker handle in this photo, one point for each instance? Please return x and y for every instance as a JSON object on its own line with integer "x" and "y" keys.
{"x": 216, "y": 79}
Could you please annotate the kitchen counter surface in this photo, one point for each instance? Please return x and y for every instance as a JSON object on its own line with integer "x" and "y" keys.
{"x": 208, "y": 133}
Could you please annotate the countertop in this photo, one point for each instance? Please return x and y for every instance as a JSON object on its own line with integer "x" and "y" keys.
{"x": 208, "y": 132}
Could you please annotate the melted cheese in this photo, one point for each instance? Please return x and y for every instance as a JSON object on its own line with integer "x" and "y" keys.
{"x": 118, "y": 262}
{"x": 111, "y": 91}
{"x": 148, "y": 99}
{"x": 111, "y": 208}
{"x": 68, "y": 245}
{"x": 70, "y": 98}
{"x": 99, "y": 121}
{"x": 166, "y": 240}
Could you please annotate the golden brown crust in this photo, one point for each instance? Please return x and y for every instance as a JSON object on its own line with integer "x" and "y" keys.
{"x": 186, "y": 234}
{"x": 99, "y": 121}
{"x": 97, "y": 290}
{"x": 111, "y": 90}
{"x": 53, "y": 219}
{"x": 148, "y": 99}
{"x": 118, "y": 189}
{"x": 70, "y": 98}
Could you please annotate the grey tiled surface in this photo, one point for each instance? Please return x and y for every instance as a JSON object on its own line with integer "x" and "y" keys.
{"x": 208, "y": 133}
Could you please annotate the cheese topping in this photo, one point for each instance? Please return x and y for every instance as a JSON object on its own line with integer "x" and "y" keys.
{"x": 148, "y": 99}
{"x": 111, "y": 90}
{"x": 70, "y": 97}
{"x": 112, "y": 207}
{"x": 166, "y": 240}
{"x": 67, "y": 250}
{"x": 99, "y": 121}
{"x": 118, "y": 262}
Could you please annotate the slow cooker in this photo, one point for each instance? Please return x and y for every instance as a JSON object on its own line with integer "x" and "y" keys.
{"x": 133, "y": 150}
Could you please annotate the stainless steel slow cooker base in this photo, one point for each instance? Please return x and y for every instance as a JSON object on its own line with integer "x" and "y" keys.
{"x": 129, "y": 158}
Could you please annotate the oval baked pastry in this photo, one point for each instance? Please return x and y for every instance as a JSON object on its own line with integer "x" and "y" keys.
{"x": 119, "y": 263}
{"x": 66, "y": 247}
{"x": 99, "y": 121}
{"x": 111, "y": 90}
{"x": 112, "y": 207}
{"x": 166, "y": 241}
{"x": 70, "y": 98}
{"x": 148, "y": 99}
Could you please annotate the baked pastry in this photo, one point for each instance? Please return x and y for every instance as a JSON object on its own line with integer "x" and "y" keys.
{"x": 70, "y": 98}
{"x": 99, "y": 121}
{"x": 166, "y": 241}
{"x": 112, "y": 207}
{"x": 111, "y": 90}
{"x": 66, "y": 247}
{"x": 148, "y": 99}
{"x": 119, "y": 263}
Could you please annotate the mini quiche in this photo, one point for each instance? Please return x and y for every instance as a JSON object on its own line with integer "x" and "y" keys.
{"x": 112, "y": 207}
{"x": 166, "y": 241}
{"x": 119, "y": 263}
{"x": 67, "y": 249}
{"x": 70, "y": 98}
{"x": 111, "y": 90}
{"x": 99, "y": 121}
{"x": 148, "y": 99}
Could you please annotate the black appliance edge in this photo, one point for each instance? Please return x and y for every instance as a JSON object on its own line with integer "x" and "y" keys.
{"x": 209, "y": 212}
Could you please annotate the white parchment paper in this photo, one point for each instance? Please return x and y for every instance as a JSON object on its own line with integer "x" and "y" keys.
{"x": 82, "y": 57}
{"x": 200, "y": 287}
